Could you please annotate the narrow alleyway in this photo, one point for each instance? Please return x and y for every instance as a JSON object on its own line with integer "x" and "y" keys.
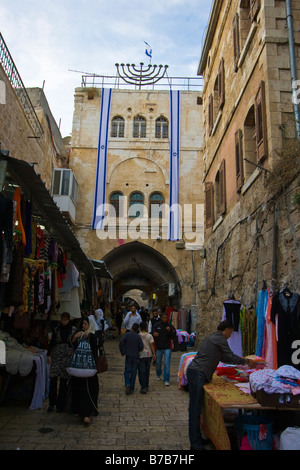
{"x": 155, "y": 421}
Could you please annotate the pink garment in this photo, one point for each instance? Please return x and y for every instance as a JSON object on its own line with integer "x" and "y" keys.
{"x": 245, "y": 444}
{"x": 270, "y": 340}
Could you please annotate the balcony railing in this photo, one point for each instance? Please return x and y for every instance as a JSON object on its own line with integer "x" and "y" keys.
{"x": 17, "y": 84}
{"x": 166, "y": 83}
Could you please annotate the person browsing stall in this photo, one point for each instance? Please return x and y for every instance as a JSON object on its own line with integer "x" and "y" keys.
{"x": 213, "y": 350}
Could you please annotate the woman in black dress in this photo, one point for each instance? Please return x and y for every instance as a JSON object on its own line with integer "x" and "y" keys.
{"x": 85, "y": 390}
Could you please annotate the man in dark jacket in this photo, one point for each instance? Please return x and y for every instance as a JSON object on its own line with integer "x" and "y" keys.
{"x": 213, "y": 350}
{"x": 130, "y": 346}
{"x": 164, "y": 332}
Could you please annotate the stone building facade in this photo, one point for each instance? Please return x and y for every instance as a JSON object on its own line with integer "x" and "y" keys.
{"x": 251, "y": 155}
{"x": 28, "y": 136}
{"x": 138, "y": 170}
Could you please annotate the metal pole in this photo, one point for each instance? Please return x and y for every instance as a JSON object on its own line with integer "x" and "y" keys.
{"x": 295, "y": 83}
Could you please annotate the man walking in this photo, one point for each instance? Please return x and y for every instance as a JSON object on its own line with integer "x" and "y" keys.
{"x": 164, "y": 332}
{"x": 132, "y": 317}
{"x": 213, "y": 350}
{"x": 130, "y": 345}
{"x": 146, "y": 356}
{"x": 155, "y": 318}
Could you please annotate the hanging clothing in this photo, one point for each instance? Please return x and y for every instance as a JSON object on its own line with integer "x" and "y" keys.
{"x": 270, "y": 338}
{"x": 6, "y": 227}
{"x": 263, "y": 298}
{"x": 231, "y": 311}
{"x": 248, "y": 325}
{"x": 183, "y": 318}
{"x": 28, "y": 229}
{"x": 287, "y": 306}
{"x": 18, "y": 214}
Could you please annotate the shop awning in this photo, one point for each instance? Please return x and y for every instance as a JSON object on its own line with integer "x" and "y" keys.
{"x": 57, "y": 225}
{"x": 101, "y": 269}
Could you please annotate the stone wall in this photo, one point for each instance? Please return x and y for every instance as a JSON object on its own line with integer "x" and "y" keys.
{"x": 17, "y": 135}
{"x": 257, "y": 238}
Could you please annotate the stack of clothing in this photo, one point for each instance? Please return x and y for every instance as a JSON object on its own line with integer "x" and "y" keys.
{"x": 286, "y": 379}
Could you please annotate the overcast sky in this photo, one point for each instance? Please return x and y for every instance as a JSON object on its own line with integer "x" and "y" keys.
{"x": 48, "y": 39}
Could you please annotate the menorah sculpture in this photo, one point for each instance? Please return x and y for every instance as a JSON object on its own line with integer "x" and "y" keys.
{"x": 140, "y": 76}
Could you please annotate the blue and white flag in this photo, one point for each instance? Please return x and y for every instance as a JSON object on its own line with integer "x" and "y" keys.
{"x": 148, "y": 50}
{"x": 100, "y": 186}
{"x": 174, "y": 209}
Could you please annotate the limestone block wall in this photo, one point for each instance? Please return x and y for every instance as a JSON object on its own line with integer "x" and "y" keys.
{"x": 257, "y": 237}
{"x": 17, "y": 136}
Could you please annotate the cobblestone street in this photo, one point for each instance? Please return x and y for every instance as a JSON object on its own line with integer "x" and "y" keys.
{"x": 157, "y": 420}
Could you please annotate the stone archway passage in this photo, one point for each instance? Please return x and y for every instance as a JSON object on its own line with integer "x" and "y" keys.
{"x": 138, "y": 266}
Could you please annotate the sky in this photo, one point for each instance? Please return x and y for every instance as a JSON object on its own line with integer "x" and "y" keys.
{"x": 48, "y": 40}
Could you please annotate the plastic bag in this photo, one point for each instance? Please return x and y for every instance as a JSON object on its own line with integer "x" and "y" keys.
{"x": 83, "y": 362}
{"x": 290, "y": 439}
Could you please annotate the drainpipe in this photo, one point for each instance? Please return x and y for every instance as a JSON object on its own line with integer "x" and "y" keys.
{"x": 295, "y": 83}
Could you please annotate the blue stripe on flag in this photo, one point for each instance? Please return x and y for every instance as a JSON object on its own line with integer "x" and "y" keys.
{"x": 174, "y": 214}
{"x": 100, "y": 184}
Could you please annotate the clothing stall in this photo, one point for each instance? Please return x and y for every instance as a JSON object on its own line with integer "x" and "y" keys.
{"x": 268, "y": 333}
{"x": 43, "y": 273}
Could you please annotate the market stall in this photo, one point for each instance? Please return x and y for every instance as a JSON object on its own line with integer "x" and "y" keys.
{"x": 221, "y": 395}
{"x": 270, "y": 335}
{"x": 43, "y": 273}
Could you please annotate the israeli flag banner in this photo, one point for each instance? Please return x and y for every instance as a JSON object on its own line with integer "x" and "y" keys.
{"x": 100, "y": 185}
{"x": 174, "y": 210}
{"x": 148, "y": 50}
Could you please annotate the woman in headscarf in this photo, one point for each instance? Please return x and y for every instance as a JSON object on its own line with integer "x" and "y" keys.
{"x": 93, "y": 327}
{"x": 85, "y": 390}
{"x": 100, "y": 318}
{"x": 59, "y": 355}
{"x": 101, "y": 325}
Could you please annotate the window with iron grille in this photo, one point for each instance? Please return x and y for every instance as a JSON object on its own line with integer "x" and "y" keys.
{"x": 161, "y": 128}
{"x": 116, "y": 200}
{"x": 136, "y": 205}
{"x": 139, "y": 127}
{"x": 156, "y": 205}
{"x": 118, "y": 127}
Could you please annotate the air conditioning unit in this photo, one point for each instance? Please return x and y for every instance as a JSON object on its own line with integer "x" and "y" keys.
{"x": 65, "y": 192}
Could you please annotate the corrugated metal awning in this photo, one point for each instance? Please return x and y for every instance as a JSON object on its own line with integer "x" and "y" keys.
{"x": 57, "y": 225}
{"x": 101, "y": 268}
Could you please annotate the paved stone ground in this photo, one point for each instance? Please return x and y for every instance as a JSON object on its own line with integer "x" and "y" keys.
{"x": 155, "y": 421}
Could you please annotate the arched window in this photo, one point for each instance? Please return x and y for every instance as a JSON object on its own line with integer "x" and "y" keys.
{"x": 139, "y": 127}
{"x": 161, "y": 128}
{"x": 117, "y": 127}
{"x": 136, "y": 205}
{"x": 156, "y": 205}
{"x": 115, "y": 201}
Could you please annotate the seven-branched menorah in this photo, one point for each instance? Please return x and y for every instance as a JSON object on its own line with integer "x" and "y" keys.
{"x": 141, "y": 76}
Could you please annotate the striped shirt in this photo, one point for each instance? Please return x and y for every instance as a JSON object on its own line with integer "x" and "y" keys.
{"x": 213, "y": 350}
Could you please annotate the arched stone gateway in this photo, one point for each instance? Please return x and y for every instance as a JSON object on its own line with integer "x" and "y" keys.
{"x": 138, "y": 266}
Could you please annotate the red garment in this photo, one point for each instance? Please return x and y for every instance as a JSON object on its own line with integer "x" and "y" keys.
{"x": 17, "y": 199}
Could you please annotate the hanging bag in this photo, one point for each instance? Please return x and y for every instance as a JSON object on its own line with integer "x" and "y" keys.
{"x": 83, "y": 363}
{"x": 101, "y": 361}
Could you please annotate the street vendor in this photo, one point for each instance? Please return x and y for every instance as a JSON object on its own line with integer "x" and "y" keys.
{"x": 213, "y": 350}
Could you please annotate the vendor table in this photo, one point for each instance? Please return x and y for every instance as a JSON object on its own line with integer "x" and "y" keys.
{"x": 220, "y": 394}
